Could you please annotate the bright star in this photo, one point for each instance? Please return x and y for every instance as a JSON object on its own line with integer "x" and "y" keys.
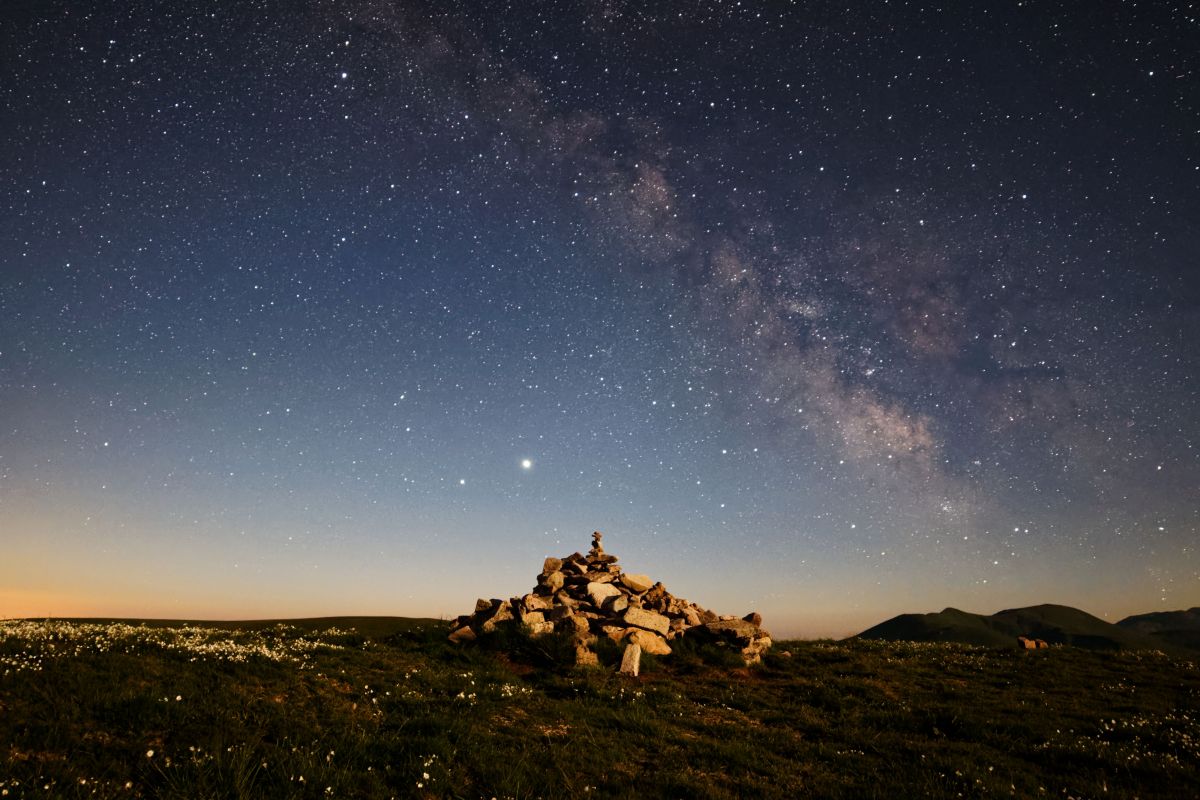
{"x": 526, "y": 463}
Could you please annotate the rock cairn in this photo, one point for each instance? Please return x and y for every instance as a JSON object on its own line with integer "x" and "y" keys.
{"x": 590, "y": 596}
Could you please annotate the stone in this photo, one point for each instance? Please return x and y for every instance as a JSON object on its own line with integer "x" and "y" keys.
{"x": 482, "y": 605}
{"x": 560, "y": 612}
{"x": 641, "y": 618}
{"x": 650, "y": 643}
{"x": 614, "y": 632}
{"x": 541, "y": 628}
{"x": 734, "y": 628}
{"x": 599, "y": 592}
{"x": 574, "y": 625}
{"x": 532, "y": 617}
{"x": 752, "y": 653}
{"x": 503, "y": 613}
{"x": 691, "y": 616}
{"x": 754, "y": 618}
{"x": 463, "y": 634}
{"x": 533, "y": 602}
{"x": 636, "y": 583}
{"x": 631, "y": 660}
{"x": 585, "y": 656}
{"x": 552, "y": 580}
{"x": 599, "y": 577}
{"x": 617, "y": 604}
{"x": 551, "y": 565}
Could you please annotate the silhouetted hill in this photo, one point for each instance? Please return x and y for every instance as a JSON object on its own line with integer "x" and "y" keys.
{"x": 1178, "y": 628}
{"x": 1053, "y": 623}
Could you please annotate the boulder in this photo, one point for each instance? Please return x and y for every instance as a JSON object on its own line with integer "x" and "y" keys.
{"x": 482, "y": 605}
{"x": 631, "y": 660}
{"x": 651, "y": 621}
{"x": 636, "y": 583}
{"x": 551, "y": 565}
{"x": 551, "y": 580}
{"x": 649, "y": 642}
{"x": 754, "y": 618}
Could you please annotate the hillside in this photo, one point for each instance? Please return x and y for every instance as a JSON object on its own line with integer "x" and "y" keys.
{"x": 134, "y": 711}
{"x": 1172, "y": 628}
{"x": 1053, "y": 623}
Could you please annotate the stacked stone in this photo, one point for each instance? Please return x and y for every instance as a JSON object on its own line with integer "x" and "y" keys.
{"x": 589, "y": 596}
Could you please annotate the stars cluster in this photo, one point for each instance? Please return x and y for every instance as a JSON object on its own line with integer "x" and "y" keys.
{"x": 856, "y": 291}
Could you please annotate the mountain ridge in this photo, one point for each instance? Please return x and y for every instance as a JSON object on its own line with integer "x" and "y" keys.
{"x": 1056, "y": 624}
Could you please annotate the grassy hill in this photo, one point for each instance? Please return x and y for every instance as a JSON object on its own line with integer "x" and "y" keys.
{"x": 297, "y": 711}
{"x": 1053, "y": 623}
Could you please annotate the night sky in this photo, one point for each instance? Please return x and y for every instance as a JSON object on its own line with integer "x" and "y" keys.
{"x": 829, "y": 311}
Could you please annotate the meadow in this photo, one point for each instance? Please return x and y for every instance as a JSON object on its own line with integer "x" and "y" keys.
{"x": 386, "y": 708}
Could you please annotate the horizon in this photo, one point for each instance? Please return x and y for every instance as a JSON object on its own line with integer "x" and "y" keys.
{"x": 830, "y": 314}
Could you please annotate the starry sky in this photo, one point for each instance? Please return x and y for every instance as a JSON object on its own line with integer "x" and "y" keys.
{"x": 365, "y": 307}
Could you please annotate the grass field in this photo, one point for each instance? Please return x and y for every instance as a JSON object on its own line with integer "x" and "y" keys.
{"x": 385, "y": 708}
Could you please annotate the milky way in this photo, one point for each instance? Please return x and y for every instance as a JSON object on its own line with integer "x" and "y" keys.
{"x": 366, "y": 307}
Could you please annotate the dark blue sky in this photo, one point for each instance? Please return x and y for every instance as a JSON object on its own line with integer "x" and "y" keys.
{"x": 830, "y": 313}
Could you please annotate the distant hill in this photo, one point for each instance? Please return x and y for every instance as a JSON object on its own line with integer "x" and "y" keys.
{"x": 1053, "y": 623}
{"x": 1178, "y": 628}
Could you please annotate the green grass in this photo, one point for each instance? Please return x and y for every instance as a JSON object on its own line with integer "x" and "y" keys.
{"x": 270, "y": 711}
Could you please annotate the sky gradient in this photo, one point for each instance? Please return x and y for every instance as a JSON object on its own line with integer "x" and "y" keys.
{"x": 367, "y": 307}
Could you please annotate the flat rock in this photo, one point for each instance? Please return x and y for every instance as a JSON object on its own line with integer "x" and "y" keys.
{"x": 737, "y": 628}
{"x": 650, "y": 620}
{"x": 636, "y": 583}
{"x": 599, "y": 592}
